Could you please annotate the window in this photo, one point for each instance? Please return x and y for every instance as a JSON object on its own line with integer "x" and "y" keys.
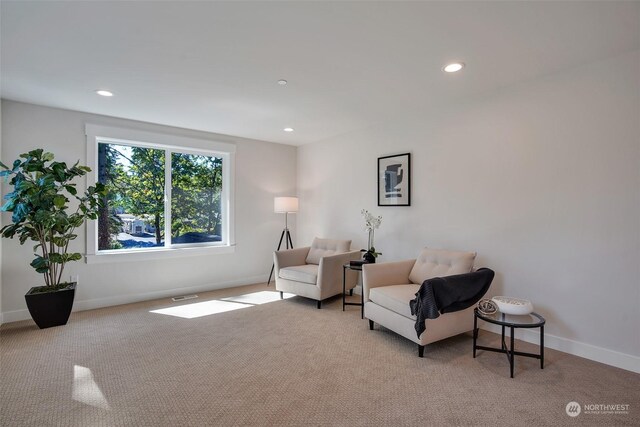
{"x": 161, "y": 197}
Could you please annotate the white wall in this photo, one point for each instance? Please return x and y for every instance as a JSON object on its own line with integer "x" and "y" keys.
{"x": 1, "y": 316}
{"x": 262, "y": 171}
{"x": 542, "y": 180}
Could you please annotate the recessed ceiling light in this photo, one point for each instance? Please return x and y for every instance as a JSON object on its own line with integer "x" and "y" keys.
{"x": 453, "y": 67}
{"x": 288, "y": 129}
{"x": 102, "y": 92}
{"x": 282, "y": 82}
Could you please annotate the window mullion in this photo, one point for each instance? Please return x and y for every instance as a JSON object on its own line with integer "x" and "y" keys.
{"x": 224, "y": 203}
{"x": 167, "y": 198}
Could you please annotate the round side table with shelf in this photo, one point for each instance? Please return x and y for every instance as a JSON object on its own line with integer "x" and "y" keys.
{"x": 513, "y": 322}
{"x": 346, "y": 267}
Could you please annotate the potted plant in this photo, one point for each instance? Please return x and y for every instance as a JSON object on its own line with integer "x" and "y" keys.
{"x": 39, "y": 202}
{"x": 371, "y": 223}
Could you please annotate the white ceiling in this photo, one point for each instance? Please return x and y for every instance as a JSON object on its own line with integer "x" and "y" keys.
{"x": 213, "y": 66}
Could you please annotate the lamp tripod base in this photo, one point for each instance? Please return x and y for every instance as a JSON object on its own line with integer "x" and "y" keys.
{"x": 286, "y": 235}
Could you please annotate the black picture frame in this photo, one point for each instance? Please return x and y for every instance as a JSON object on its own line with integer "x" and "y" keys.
{"x": 394, "y": 180}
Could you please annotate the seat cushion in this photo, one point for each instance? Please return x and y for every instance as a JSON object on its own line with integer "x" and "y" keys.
{"x": 301, "y": 273}
{"x": 439, "y": 263}
{"x": 395, "y": 298}
{"x": 326, "y": 247}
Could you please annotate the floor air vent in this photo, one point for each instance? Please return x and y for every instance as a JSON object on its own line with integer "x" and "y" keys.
{"x": 184, "y": 297}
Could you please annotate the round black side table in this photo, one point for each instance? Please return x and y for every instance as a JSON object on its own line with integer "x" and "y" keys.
{"x": 344, "y": 280}
{"x": 533, "y": 320}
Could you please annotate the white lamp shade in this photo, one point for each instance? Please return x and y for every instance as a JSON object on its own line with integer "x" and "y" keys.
{"x": 285, "y": 204}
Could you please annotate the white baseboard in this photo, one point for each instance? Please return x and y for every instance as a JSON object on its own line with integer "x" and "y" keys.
{"x": 17, "y": 315}
{"x": 588, "y": 351}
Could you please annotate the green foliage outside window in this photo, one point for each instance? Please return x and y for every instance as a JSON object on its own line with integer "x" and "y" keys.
{"x": 135, "y": 178}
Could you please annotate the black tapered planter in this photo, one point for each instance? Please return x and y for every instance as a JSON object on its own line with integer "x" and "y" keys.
{"x": 49, "y": 309}
{"x": 369, "y": 258}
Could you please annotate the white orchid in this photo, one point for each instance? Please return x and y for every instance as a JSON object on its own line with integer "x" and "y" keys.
{"x": 371, "y": 223}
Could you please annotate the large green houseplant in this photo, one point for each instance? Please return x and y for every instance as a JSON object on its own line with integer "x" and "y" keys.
{"x": 46, "y": 208}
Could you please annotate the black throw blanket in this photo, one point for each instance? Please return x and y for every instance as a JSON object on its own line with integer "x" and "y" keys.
{"x": 449, "y": 294}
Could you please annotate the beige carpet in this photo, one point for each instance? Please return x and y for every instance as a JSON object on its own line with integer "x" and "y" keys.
{"x": 282, "y": 363}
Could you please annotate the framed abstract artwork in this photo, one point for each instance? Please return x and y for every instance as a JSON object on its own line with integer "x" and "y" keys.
{"x": 394, "y": 180}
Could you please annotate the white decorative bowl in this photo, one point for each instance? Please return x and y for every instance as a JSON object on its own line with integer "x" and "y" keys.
{"x": 510, "y": 305}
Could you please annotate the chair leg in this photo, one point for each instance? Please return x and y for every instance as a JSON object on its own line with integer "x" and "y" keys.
{"x": 420, "y": 350}
{"x": 351, "y": 292}
{"x": 319, "y": 305}
{"x": 370, "y": 325}
{"x": 281, "y": 295}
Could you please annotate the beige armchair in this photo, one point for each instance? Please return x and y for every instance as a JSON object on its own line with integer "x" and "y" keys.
{"x": 388, "y": 288}
{"x": 315, "y": 272}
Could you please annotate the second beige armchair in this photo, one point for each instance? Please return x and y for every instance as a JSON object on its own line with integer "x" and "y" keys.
{"x": 388, "y": 288}
{"x": 315, "y": 271}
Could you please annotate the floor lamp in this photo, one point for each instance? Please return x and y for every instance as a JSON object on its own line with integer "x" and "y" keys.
{"x": 285, "y": 205}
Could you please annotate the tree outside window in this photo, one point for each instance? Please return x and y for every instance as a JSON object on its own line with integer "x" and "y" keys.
{"x": 136, "y": 206}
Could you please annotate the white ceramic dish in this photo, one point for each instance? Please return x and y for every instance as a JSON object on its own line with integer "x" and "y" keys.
{"x": 510, "y": 305}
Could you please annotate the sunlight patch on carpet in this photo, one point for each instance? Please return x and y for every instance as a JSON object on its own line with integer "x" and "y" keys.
{"x": 85, "y": 389}
{"x": 200, "y": 309}
{"x": 207, "y": 308}
{"x": 258, "y": 298}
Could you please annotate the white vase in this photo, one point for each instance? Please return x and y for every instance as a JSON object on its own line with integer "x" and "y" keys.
{"x": 510, "y": 305}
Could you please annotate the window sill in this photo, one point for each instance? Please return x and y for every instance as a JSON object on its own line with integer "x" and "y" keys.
{"x": 156, "y": 254}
